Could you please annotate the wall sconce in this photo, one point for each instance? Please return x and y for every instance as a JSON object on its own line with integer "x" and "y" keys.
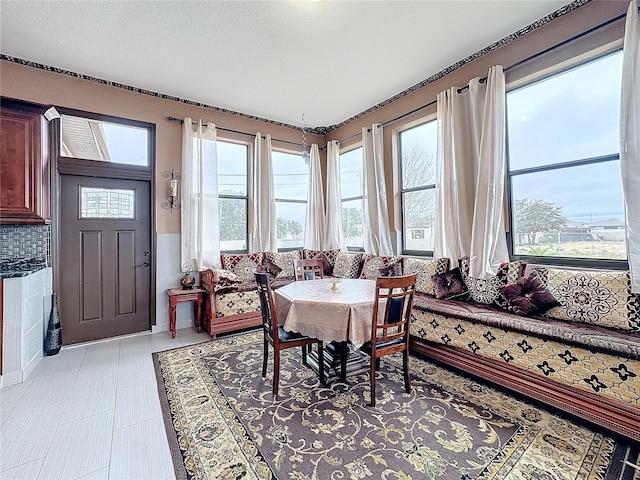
{"x": 172, "y": 191}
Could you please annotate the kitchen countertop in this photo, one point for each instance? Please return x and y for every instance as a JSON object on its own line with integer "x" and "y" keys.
{"x": 21, "y": 267}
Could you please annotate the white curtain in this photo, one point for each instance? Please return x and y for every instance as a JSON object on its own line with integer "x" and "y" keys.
{"x": 471, "y": 174}
{"x": 264, "y": 204}
{"x": 630, "y": 140}
{"x": 314, "y": 223}
{"x": 377, "y": 236}
{"x": 334, "y": 234}
{"x": 200, "y": 233}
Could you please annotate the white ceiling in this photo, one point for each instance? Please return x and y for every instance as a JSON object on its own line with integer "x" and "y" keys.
{"x": 276, "y": 60}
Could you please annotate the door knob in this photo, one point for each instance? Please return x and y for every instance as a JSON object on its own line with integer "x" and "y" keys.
{"x": 145, "y": 264}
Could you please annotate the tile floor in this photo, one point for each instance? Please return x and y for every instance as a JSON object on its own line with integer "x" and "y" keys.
{"x": 90, "y": 412}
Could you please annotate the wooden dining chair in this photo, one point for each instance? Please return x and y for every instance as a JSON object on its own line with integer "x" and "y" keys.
{"x": 390, "y": 325}
{"x": 278, "y": 337}
{"x": 309, "y": 269}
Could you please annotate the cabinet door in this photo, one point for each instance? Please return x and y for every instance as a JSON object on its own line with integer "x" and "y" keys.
{"x": 24, "y": 167}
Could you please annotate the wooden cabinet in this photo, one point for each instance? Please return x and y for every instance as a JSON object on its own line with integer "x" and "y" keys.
{"x": 24, "y": 163}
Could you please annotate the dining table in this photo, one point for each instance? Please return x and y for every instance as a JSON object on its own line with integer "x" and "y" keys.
{"x": 341, "y": 317}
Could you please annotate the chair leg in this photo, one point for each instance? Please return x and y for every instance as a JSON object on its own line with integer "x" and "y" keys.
{"x": 373, "y": 381}
{"x": 407, "y": 381}
{"x": 265, "y": 356}
{"x": 276, "y": 371}
{"x": 321, "y": 363}
{"x": 377, "y": 364}
{"x": 304, "y": 356}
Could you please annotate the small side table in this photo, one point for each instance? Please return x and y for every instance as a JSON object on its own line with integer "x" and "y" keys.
{"x": 177, "y": 295}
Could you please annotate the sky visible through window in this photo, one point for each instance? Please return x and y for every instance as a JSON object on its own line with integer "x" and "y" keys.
{"x": 569, "y": 117}
{"x": 572, "y": 116}
{"x": 128, "y": 145}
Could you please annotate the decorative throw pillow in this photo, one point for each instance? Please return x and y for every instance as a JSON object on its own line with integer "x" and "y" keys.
{"x": 597, "y": 297}
{"x": 285, "y": 262}
{"x": 425, "y": 269}
{"x": 450, "y": 284}
{"x": 392, "y": 270}
{"x": 528, "y": 295}
{"x": 347, "y": 265}
{"x": 243, "y": 265}
{"x": 488, "y": 290}
{"x": 227, "y": 281}
{"x": 508, "y": 272}
{"x": 373, "y": 264}
{"x": 328, "y": 258}
{"x": 267, "y": 266}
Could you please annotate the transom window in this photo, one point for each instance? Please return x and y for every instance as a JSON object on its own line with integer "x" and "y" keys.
{"x": 91, "y": 139}
{"x": 233, "y": 161}
{"x": 351, "y": 196}
{"x": 418, "y": 176}
{"x": 291, "y": 185}
{"x": 564, "y": 165}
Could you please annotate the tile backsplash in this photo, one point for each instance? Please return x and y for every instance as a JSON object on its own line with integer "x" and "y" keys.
{"x": 25, "y": 241}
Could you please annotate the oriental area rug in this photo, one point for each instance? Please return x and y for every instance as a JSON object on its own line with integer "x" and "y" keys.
{"x": 223, "y": 423}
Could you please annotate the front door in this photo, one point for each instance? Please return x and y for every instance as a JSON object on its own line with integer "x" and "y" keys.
{"x": 105, "y": 245}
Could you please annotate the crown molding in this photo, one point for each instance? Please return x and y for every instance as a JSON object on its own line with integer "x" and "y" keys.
{"x": 315, "y": 130}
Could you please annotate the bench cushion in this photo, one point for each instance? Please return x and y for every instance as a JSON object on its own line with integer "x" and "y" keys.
{"x": 595, "y": 297}
{"x": 608, "y": 340}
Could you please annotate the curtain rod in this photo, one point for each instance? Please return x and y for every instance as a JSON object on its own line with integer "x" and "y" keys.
{"x": 514, "y": 65}
{"x": 175, "y": 119}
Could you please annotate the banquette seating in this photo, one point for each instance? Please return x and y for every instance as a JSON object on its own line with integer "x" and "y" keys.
{"x": 579, "y": 352}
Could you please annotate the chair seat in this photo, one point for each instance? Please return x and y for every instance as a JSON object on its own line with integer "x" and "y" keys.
{"x": 380, "y": 345}
{"x": 286, "y": 336}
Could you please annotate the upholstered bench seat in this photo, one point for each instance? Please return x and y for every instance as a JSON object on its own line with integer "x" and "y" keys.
{"x": 593, "y": 337}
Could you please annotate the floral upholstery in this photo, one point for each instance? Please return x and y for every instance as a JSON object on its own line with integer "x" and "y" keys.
{"x": 615, "y": 376}
{"x": 597, "y": 297}
{"x": 374, "y": 263}
{"x": 425, "y": 269}
{"x": 233, "y": 303}
{"x": 243, "y": 265}
{"x": 489, "y": 290}
{"x": 347, "y": 265}
{"x": 285, "y": 262}
{"x": 328, "y": 257}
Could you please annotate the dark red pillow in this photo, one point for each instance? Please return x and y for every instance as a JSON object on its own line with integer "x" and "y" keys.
{"x": 450, "y": 284}
{"x": 392, "y": 270}
{"x": 267, "y": 266}
{"x": 528, "y": 296}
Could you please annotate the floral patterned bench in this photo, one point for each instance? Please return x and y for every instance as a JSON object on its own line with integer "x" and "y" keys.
{"x": 581, "y": 356}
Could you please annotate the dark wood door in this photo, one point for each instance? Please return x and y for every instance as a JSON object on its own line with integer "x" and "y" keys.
{"x": 105, "y": 245}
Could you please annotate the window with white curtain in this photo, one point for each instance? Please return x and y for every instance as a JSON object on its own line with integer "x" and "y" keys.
{"x": 233, "y": 161}
{"x": 566, "y": 198}
{"x": 418, "y": 187}
{"x": 351, "y": 197}
{"x": 291, "y": 185}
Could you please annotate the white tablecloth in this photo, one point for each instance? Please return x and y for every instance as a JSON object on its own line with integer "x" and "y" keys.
{"x": 310, "y": 307}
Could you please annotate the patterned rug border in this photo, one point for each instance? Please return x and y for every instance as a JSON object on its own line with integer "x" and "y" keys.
{"x": 167, "y": 418}
{"x": 491, "y": 471}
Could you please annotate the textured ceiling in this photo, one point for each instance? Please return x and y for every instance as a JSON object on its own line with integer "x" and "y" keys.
{"x": 275, "y": 60}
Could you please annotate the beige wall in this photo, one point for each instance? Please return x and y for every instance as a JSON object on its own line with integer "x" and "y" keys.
{"x": 554, "y": 33}
{"x": 40, "y": 86}
{"x": 44, "y": 87}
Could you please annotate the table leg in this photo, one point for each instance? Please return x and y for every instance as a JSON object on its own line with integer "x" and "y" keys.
{"x": 172, "y": 318}
{"x": 198, "y": 314}
{"x": 344, "y": 354}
